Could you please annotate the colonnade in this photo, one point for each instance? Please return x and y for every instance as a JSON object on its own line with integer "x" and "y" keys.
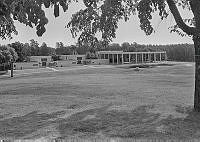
{"x": 120, "y": 57}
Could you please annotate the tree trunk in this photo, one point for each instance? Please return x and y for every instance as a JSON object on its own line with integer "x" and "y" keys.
{"x": 196, "y": 40}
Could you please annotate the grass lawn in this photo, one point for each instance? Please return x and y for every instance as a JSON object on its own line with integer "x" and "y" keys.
{"x": 105, "y": 101}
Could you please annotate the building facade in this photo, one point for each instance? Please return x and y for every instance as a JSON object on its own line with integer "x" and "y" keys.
{"x": 34, "y": 62}
{"x": 120, "y": 57}
{"x": 75, "y": 59}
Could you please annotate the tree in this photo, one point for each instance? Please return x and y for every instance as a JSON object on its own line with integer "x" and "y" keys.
{"x": 2, "y": 57}
{"x": 8, "y": 54}
{"x": 35, "y": 49}
{"x": 61, "y": 49}
{"x": 125, "y": 46}
{"x": 103, "y": 16}
{"x": 26, "y": 51}
{"x": 44, "y": 50}
{"x": 18, "y": 48}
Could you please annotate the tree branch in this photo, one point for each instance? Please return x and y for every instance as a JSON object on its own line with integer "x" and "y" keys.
{"x": 187, "y": 29}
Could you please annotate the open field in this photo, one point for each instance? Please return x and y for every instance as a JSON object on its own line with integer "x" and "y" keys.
{"x": 105, "y": 101}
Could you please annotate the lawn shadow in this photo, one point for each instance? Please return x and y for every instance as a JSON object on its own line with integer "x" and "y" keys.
{"x": 183, "y": 128}
{"x": 20, "y": 126}
{"x": 138, "y": 123}
{"x": 108, "y": 122}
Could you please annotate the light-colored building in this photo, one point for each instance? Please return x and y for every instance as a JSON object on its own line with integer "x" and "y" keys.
{"x": 97, "y": 61}
{"x": 75, "y": 59}
{"x": 120, "y": 57}
{"x": 26, "y": 65}
{"x": 42, "y": 60}
{"x": 34, "y": 62}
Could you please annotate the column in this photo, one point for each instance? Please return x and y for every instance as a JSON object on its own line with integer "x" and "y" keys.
{"x": 154, "y": 57}
{"x": 136, "y": 58}
{"x": 149, "y": 57}
{"x": 117, "y": 58}
{"x": 109, "y": 57}
{"x": 142, "y": 58}
{"x": 160, "y": 57}
{"x": 104, "y": 55}
{"x": 113, "y": 58}
{"x": 129, "y": 57}
{"x": 122, "y": 58}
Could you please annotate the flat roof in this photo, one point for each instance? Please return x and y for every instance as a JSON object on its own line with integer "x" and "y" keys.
{"x": 122, "y": 52}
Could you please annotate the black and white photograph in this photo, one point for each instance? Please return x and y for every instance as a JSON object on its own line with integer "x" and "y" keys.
{"x": 99, "y": 70}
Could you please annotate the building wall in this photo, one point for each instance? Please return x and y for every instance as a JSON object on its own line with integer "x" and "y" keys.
{"x": 26, "y": 65}
{"x": 97, "y": 61}
{"x": 42, "y": 60}
{"x": 71, "y": 57}
{"x": 65, "y": 63}
{"x": 39, "y": 58}
{"x": 120, "y": 57}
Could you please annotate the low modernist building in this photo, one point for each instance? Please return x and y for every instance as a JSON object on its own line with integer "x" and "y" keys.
{"x": 42, "y": 60}
{"x": 120, "y": 57}
{"x": 34, "y": 62}
{"x": 76, "y": 59}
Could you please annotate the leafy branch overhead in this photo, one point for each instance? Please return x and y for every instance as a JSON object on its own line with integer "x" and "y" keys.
{"x": 98, "y": 17}
{"x": 28, "y": 12}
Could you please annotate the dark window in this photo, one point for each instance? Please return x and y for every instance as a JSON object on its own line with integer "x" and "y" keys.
{"x": 79, "y": 58}
{"x": 43, "y": 59}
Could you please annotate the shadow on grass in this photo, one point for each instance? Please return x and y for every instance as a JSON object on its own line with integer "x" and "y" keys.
{"x": 20, "y": 126}
{"x": 110, "y": 123}
{"x": 138, "y": 123}
{"x": 107, "y": 122}
{"x": 188, "y": 127}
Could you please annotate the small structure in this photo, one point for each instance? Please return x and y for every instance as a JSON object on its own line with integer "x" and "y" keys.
{"x": 96, "y": 61}
{"x": 34, "y": 62}
{"x": 25, "y": 65}
{"x": 76, "y": 59}
{"x": 120, "y": 57}
{"x": 42, "y": 60}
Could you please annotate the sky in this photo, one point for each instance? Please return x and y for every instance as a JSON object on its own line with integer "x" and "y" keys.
{"x": 127, "y": 32}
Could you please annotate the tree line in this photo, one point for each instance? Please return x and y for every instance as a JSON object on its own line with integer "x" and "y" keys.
{"x": 175, "y": 52}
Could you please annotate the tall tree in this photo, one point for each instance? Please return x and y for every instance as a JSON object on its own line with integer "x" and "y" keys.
{"x": 18, "y": 48}
{"x": 61, "y": 49}
{"x": 125, "y": 46}
{"x": 26, "y": 51}
{"x": 8, "y": 54}
{"x": 35, "y": 49}
{"x": 44, "y": 50}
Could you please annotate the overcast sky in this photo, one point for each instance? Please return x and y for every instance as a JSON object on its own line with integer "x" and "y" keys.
{"x": 127, "y": 32}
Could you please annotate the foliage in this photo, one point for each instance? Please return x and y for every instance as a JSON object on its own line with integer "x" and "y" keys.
{"x": 103, "y": 16}
{"x": 44, "y": 50}
{"x": 19, "y": 49}
{"x": 35, "y": 49}
{"x": 28, "y": 12}
{"x": 61, "y": 49}
{"x": 7, "y": 54}
{"x": 98, "y": 16}
{"x": 91, "y": 55}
